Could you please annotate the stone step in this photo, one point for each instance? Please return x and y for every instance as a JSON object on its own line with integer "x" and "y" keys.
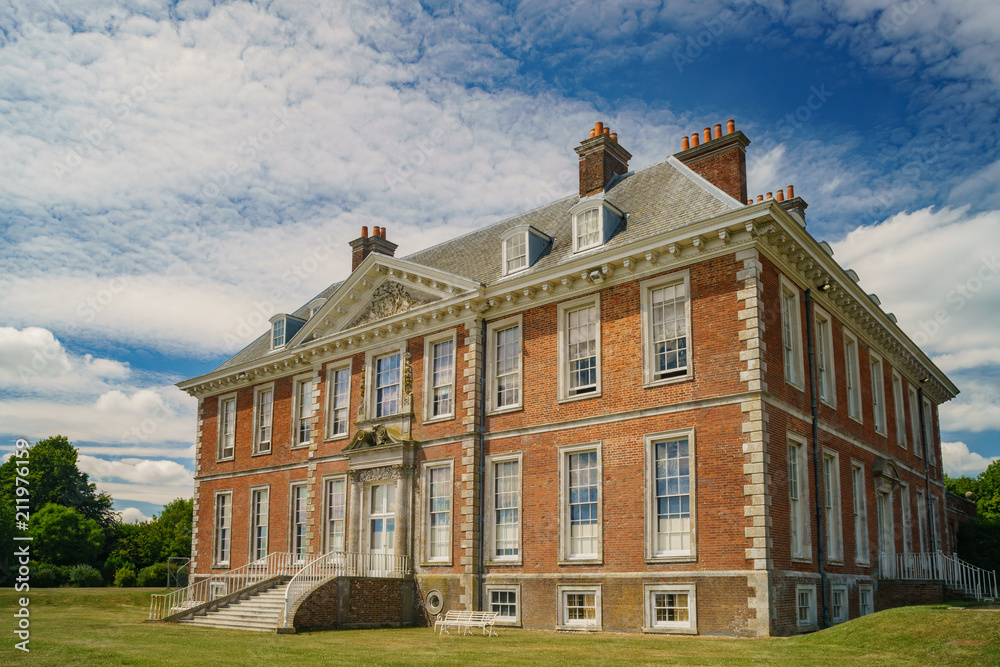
{"x": 249, "y": 614}
{"x": 207, "y": 623}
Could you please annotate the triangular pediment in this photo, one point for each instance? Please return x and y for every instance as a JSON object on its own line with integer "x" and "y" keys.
{"x": 382, "y": 288}
{"x": 389, "y": 299}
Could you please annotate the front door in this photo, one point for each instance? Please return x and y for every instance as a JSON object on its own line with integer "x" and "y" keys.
{"x": 381, "y": 525}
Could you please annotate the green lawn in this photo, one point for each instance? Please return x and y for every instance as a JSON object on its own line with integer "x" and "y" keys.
{"x": 105, "y": 627}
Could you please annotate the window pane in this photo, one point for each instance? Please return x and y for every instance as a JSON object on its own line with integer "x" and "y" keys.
{"x": 227, "y": 445}
{"x": 387, "y": 379}
{"x": 508, "y": 367}
{"x": 673, "y": 499}
{"x": 439, "y": 524}
{"x": 336, "y": 499}
{"x": 506, "y": 502}
{"x": 668, "y": 316}
{"x": 581, "y": 352}
{"x": 340, "y": 394}
{"x": 265, "y": 401}
{"x": 304, "y": 402}
{"x": 517, "y": 252}
{"x": 258, "y": 531}
{"x": 583, "y": 526}
{"x": 443, "y": 374}
{"x": 670, "y": 608}
{"x": 504, "y": 603}
{"x": 588, "y": 229}
{"x": 299, "y": 522}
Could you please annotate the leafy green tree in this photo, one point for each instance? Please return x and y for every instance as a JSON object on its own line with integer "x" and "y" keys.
{"x": 960, "y": 485}
{"x": 987, "y": 492}
{"x": 54, "y": 477}
{"x": 61, "y": 536}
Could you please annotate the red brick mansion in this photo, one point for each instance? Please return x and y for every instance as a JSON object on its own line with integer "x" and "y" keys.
{"x": 652, "y": 406}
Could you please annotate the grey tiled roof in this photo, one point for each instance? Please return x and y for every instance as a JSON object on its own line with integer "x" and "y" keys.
{"x": 656, "y": 199}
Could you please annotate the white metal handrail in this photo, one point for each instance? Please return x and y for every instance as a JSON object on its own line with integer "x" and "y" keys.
{"x": 219, "y": 585}
{"x": 952, "y": 570}
{"x": 340, "y": 564}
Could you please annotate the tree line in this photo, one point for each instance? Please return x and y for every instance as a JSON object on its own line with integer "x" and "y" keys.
{"x": 979, "y": 540}
{"x": 77, "y": 537}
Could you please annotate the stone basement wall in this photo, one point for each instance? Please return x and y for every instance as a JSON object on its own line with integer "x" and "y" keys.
{"x": 357, "y": 602}
{"x": 890, "y": 594}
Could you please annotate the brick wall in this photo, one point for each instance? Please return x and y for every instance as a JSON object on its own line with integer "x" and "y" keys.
{"x": 892, "y": 594}
{"x": 356, "y": 602}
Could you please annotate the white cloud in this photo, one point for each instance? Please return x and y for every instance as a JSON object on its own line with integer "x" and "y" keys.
{"x": 976, "y": 409}
{"x": 133, "y": 515}
{"x": 137, "y": 471}
{"x": 32, "y": 359}
{"x": 158, "y": 494}
{"x": 958, "y": 460}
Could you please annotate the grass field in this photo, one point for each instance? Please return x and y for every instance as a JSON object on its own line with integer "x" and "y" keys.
{"x": 105, "y": 627}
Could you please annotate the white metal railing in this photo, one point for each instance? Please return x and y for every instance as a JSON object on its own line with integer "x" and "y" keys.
{"x": 219, "y": 585}
{"x": 952, "y": 570}
{"x": 341, "y": 564}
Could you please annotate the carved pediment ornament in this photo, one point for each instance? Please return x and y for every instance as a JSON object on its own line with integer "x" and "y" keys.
{"x": 886, "y": 474}
{"x": 380, "y": 474}
{"x": 388, "y": 299}
{"x": 377, "y": 436}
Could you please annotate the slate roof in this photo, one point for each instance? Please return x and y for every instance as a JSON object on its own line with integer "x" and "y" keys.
{"x": 657, "y": 198}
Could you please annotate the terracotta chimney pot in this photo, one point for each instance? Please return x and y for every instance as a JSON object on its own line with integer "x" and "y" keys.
{"x": 718, "y": 131}
{"x": 614, "y": 135}
{"x": 780, "y": 195}
{"x": 730, "y": 126}
{"x": 707, "y": 134}
{"x": 769, "y": 194}
{"x": 694, "y": 140}
{"x": 364, "y": 231}
{"x": 791, "y": 192}
{"x": 760, "y": 198}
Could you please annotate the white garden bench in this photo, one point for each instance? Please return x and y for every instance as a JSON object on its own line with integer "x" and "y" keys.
{"x": 467, "y": 620}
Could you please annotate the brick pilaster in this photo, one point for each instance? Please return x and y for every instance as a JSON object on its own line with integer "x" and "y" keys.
{"x": 471, "y": 465}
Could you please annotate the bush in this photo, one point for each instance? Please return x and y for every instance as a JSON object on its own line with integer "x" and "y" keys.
{"x": 116, "y": 561}
{"x": 154, "y": 575}
{"x": 125, "y": 578}
{"x": 85, "y": 576}
{"x": 46, "y": 575}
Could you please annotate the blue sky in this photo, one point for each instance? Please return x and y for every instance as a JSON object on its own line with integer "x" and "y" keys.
{"x": 172, "y": 172}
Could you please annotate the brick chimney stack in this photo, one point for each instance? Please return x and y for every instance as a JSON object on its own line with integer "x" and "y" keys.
{"x": 365, "y": 245}
{"x": 601, "y": 157}
{"x": 720, "y": 158}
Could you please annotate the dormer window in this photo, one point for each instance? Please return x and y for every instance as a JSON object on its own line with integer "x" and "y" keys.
{"x": 522, "y": 246}
{"x": 594, "y": 222}
{"x": 516, "y": 253}
{"x": 278, "y": 334}
{"x": 588, "y": 229}
{"x": 283, "y": 329}
{"x": 315, "y": 305}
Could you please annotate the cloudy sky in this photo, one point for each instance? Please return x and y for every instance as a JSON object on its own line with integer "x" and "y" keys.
{"x": 170, "y": 172}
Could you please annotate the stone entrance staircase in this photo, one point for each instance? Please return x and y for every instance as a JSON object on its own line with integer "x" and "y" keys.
{"x": 260, "y": 612}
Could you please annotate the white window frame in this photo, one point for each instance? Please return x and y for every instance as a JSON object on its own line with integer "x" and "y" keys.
{"x": 899, "y": 403}
{"x": 936, "y": 533}
{"x": 928, "y": 432}
{"x": 865, "y": 609}
{"x": 515, "y": 620}
{"x": 833, "y": 512}
{"x": 260, "y": 445}
{"x": 906, "y": 517}
{"x": 563, "y": 623}
{"x": 425, "y": 476}
{"x": 523, "y": 235}
{"x": 915, "y": 421}
{"x": 221, "y": 448}
{"x": 577, "y": 218}
{"x": 296, "y": 419}
{"x": 878, "y": 393}
{"x": 370, "y": 386}
{"x": 222, "y": 529}
{"x": 652, "y": 513}
{"x": 844, "y": 614}
{"x": 292, "y": 522}
{"x": 859, "y": 504}
{"x": 852, "y": 376}
{"x": 376, "y": 403}
{"x": 800, "y": 542}
{"x": 886, "y": 523}
{"x": 492, "y": 329}
{"x": 277, "y": 344}
{"x": 491, "y": 527}
{"x": 332, "y": 404}
{"x": 811, "y": 590}
{"x": 646, "y": 289}
{"x": 328, "y": 483}
{"x": 255, "y": 525}
{"x": 651, "y": 625}
{"x": 430, "y": 343}
{"x": 827, "y": 382}
{"x": 564, "y": 310}
{"x": 922, "y": 521}
{"x": 791, "y": 333}
{"x": 566, "y": 557}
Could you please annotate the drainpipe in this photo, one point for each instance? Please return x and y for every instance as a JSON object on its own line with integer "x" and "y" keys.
{"x": 927, "y": 470}
{"x": 817, "y": 467}
{"x": 482, "y": 467}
